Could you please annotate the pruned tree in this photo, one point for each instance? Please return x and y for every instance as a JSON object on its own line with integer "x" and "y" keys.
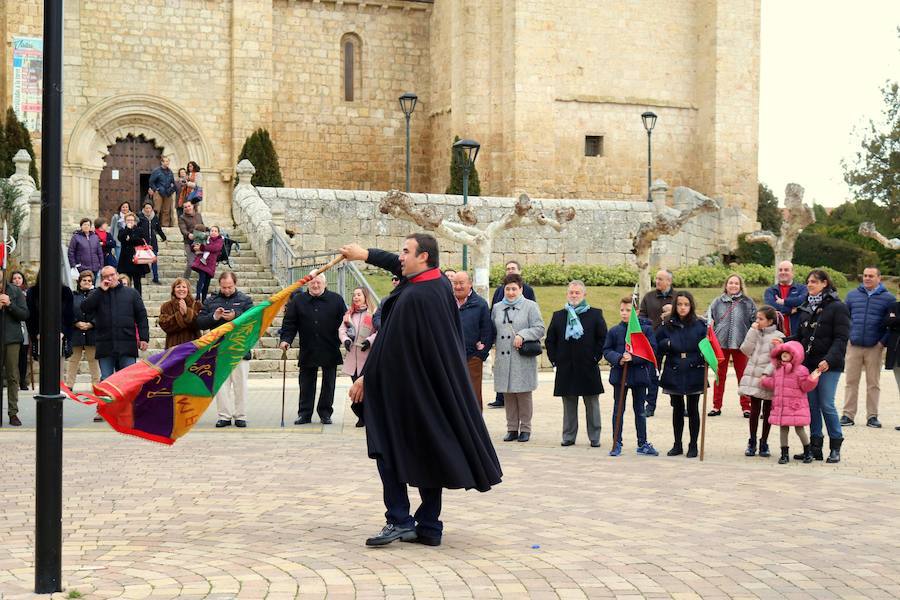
{"x": 868, "y": 230}
{"x": 665, "y": 222}
{"x": 799, "y": 217}
{"x": 479, "y": 239}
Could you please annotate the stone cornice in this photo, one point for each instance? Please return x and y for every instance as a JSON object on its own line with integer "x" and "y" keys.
{"x": 423, "y": 5}
{"x": 627, "y": 101}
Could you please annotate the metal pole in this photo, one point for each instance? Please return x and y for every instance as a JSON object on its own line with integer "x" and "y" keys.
{"x": 649, "y": 177}
{"x": 48, "y": 475}
{"x": 407, "y": 153}
{"x": 465, "y": 257}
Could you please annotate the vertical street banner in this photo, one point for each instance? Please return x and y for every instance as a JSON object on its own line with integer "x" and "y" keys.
{"x": 28, "y": 69}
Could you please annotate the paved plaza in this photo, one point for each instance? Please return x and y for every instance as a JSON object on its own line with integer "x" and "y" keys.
{"x": 272, "y": 513}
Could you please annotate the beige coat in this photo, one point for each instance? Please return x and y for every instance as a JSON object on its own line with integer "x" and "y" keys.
{"x": 757, "y": 345}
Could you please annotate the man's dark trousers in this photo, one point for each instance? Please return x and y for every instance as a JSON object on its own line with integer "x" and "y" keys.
{"x": 308, "y": 392}
{"x": 396, "y": 501}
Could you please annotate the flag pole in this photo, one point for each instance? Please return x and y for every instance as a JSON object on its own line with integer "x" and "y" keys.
{"x": 703, "y": 412}
{"x": 3, "y": 319}
{"x": 283, "y": 382}
{"x": 620, "y": 404}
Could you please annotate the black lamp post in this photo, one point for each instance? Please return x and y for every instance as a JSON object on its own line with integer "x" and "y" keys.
{"x": 649, "y": 119}
{"x": 468, "y": 150}
{"x": 48, "y": 471}
{"x": 408, "y": 105}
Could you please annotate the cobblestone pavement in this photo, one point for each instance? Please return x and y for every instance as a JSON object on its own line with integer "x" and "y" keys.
{"x": 272, "y": 513}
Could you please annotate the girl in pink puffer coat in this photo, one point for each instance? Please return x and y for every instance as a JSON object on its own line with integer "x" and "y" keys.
{"x": 789, "y": 384}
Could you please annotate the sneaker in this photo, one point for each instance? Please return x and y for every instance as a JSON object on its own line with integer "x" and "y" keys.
{"x": 391, "y": 533}
{"x": 616, "y": 450}
{"x": 647, "y": 449}
{"x": 712, "y": 413}
{"x": 14, "y": 421}
{"x": 873, "y": 422}
{"x": 847, "y": 421}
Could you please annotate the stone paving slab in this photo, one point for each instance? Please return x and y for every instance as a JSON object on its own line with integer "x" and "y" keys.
{"x": 263, "y": 513}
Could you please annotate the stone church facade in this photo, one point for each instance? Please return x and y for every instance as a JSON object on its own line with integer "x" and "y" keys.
{"x": 539, "y": 83}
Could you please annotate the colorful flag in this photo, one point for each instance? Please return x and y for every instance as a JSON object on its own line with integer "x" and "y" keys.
{"x": 712, "y": 351}
{"x": 161, "y": 397}
{"x": 636, "y": 343}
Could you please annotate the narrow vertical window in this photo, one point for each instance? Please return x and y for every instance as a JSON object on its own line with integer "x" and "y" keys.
{"x": 348, "y": 70}
{"x": 351, "y": 67}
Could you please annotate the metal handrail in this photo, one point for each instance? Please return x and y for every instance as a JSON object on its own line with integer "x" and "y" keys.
{"x": 288, "y": 266}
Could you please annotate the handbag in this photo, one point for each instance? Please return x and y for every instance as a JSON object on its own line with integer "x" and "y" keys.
{"x": 196, "y": 195}
{"x": 531, "y": 348}
{"x": 144, "y": 255}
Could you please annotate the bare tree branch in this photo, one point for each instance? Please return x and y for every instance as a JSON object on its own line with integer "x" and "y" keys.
{"x": 868, "y": 230}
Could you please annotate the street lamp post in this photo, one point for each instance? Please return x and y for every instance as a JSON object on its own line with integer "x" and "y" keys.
{"x": 49, "y": 432}
{"x": 468, "y": 150}
{"x": 649, "y": 119}
{"x": 408, "y": 105}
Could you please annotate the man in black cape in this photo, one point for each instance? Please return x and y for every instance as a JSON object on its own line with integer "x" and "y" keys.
{"x": 423, "y": 426}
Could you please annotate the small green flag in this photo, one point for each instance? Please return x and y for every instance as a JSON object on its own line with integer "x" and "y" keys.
{"x": 709, "y": 355}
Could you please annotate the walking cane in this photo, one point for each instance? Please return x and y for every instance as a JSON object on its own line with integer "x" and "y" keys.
{"x": 620, "y": 405}
{"x": 703, "y": 422}
{"x": 283, "y": 382}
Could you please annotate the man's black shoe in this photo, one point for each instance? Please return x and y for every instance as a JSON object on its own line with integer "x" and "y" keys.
{"x": 846, "y": 421}
{"x": 567, "y": 443}
{"x": 524, "y": 436}
{"x": 240, "y": 423}
{"x": 649, "y": 412}
{"x": 425, "y": 540}
{"x": 223, "y": 423}
{"x": 495, "y": 404}
{"x": 595, "y": 444}
{"x": 326, "y": 420}
{"x": 873, "y": 422}
{"x": 14, "y": 421}
{"x": 511, "y": 436}
{"x": 391, "y": 533}
{"x": 302, "y": 420}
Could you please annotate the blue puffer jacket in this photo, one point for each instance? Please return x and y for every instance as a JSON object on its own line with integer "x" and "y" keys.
{"x": 678, "y": 342}
{"x": 639, "y": 369}
{"x": 476, "y": 326}
{"x": 867, "y": 315}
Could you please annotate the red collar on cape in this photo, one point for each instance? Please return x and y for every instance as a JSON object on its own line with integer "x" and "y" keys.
{"x": 429, "y": 275}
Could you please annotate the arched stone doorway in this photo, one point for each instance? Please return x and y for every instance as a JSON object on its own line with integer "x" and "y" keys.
{"x": 104, "y": 124}
{"x": 126, "y": 175}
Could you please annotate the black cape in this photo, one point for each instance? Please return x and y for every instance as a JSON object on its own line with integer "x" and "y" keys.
{"x": 421, "y": 414}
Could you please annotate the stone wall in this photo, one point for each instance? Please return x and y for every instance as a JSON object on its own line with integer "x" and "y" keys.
{"x": 529, "y": 79}
{"x": 601, "y": 233}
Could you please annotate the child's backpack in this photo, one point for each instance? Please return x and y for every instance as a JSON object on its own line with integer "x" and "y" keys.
{"x": 229, "y": 246}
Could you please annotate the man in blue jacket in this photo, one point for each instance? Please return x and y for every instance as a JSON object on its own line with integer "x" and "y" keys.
{"x": 868, "y": 305}
{"x": 785, "y": 296}
{"x": 162, "y": 188}
{"x": 477, "y": 328}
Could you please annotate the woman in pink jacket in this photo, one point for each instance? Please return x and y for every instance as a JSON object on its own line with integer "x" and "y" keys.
{"x": 357, "y": 334}
{"x": 789, "y": 384}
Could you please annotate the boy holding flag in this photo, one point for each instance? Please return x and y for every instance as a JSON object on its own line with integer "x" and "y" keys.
{"x": 630, "y": 350}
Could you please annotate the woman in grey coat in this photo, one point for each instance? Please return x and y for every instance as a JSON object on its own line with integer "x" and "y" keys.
{"x": 516, "y": 320}
{"x": 731, "y": 315}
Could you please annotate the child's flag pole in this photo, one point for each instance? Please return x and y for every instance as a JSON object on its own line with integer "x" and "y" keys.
{"x": 703, "y": 418}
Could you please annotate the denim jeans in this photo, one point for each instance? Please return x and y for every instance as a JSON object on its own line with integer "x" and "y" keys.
{"x": 111, "y": 364}
{"x": 821, "y": 405}
{"x": 638, "y": 396}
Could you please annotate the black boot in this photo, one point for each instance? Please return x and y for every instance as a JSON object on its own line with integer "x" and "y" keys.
{"x": 764, "y": 449}
{"x": 815, "y": 444}
{"x": 807, "y": 454}
{"x": 751, "y": 448}
{"x": 785, "y": 459}
{"x": 676, "y": 450}
{"x": 835, "y": 455}
{"x": 692, "y": 451}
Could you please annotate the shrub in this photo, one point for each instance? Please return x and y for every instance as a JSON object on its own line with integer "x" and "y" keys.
{"x": 696, "y": 276}
{"x": 260, "y": 151}
{"x": 758, "y": 252}
{"x": 836, "y": 254}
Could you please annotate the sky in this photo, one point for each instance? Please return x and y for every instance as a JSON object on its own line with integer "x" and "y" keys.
{"x": 822, "y": 66}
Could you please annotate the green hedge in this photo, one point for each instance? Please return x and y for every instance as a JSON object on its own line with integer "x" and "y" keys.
{"x": 624, "y": 275}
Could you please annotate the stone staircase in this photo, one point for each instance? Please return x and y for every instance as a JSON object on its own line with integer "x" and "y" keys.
{"x": 254, "y": 278}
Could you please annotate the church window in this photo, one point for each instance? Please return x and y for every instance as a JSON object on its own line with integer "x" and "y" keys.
{"x": 351, "y": 53}
{"x": 593, "y": 145}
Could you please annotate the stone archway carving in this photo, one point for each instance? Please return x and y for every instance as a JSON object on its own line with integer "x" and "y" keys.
{"x": 115, "y": 117}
